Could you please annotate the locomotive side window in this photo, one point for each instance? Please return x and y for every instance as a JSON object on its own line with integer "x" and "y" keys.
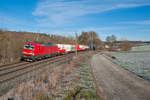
{"x": 30, "y": 47}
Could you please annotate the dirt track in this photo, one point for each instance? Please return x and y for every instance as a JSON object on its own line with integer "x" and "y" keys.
{"x": 116, "y": 83}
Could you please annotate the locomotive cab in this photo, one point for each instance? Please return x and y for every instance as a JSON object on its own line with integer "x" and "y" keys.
{"x": 28, "y": 52}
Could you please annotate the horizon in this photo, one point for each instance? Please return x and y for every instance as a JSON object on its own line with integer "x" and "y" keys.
{"x": 125, "y": 19}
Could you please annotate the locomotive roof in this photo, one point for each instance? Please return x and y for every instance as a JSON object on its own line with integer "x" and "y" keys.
{"x": 33, "y": 43}
{"x": 48, "y": 44}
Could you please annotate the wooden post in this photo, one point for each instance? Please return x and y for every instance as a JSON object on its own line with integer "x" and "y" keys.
{"x": 76, "y": 42}
{"x": 91, "y": 40}
{"x": 38, "y": 33}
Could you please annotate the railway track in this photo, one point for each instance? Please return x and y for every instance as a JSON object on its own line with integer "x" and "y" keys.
{"x": 11, "y": 66}
{"x": 15, "y": 70}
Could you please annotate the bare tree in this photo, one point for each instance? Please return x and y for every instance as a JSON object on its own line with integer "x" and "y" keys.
{"x": 108, "y": 39}
{"x": 111, "y": 41}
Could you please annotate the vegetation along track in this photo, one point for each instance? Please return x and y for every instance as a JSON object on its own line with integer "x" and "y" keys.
{"x": 11, "y": 72}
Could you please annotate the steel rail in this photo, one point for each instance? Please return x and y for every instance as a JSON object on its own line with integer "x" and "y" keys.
{"x": 12, "y": 66}
{"x": 4, "y": 77}
{"x": 24, "y": 70}
{"x": 16, "y": 68}
{"x": 1, "y": 66}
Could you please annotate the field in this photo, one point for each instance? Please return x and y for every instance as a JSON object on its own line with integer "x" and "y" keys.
{"x": 136, "y": 62}
{"x": 141, "y": 48}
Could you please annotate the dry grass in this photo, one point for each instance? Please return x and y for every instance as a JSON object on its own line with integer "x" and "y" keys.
{"x": 41, "y": 97}
{"x": 53, "y": 80}
{"x": 67, "y": 69}
{"x": 45, "y": 85}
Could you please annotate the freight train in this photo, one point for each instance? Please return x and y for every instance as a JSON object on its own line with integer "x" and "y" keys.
{"x": 35, "y": 51}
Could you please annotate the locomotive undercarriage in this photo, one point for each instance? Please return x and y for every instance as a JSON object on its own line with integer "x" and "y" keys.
{"x": 36, "y": 58}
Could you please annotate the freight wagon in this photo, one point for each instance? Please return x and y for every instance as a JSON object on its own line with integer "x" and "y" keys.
{"x": 67, "y": 47}
{"x": 61, "y": 49}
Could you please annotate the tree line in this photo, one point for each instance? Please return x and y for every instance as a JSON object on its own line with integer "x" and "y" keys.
{"x": 113, "y": 44}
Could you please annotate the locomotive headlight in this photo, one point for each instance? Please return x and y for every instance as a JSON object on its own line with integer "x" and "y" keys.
{"x": 24, "y": 52}
{"x": 33, "y": 54}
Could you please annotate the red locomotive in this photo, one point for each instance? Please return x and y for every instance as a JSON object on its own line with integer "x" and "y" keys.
{"x": 34, "y": 51}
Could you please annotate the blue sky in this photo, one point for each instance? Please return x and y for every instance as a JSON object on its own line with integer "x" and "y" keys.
{"x": 127, "y": 19}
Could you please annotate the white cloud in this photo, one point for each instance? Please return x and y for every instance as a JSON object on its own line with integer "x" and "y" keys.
{"x": 60, "y": 12}
{"x": 144, "y": 22}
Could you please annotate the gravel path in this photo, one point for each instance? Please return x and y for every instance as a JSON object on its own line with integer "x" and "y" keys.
{"x": 116, "y": 83}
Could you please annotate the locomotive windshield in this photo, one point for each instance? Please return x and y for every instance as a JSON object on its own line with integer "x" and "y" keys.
{"x": 30, "y": 47}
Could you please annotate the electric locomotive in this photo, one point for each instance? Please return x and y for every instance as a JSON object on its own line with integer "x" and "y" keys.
{"x": 34, "y": 51}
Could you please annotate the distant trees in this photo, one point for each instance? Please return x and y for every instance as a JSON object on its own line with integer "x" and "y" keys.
{"x": 111, "y": 39}
{"x": 125, "y": 45}
{"x": 112, "y": 43}
{"x": 90, "y": 38}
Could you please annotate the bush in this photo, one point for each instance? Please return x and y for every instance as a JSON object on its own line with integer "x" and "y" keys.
{"x": 125, "y": 46}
